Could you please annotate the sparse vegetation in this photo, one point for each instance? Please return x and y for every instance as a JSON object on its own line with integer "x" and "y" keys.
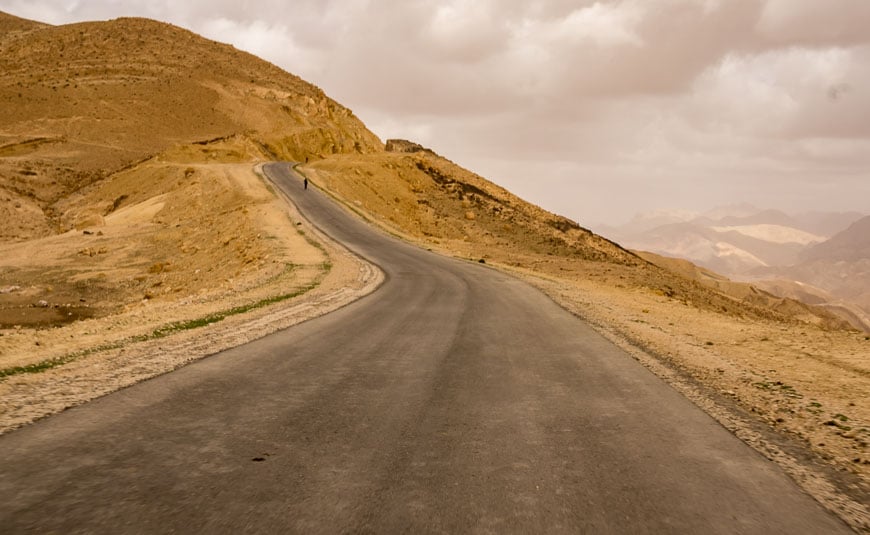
{"x": 162, "y": 331}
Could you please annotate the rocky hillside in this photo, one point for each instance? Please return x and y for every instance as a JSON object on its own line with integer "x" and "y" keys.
{"x": 850, "y": 245}
{"x": 414, "y": 192}
{"x": 93, "y": 108}
{"x": 81, "y": 101}
{"x": 835, "y": 274}
{"x": 421, "y": 193}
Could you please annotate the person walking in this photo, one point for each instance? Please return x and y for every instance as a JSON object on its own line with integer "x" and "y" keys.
{"x": 305, "y": 183}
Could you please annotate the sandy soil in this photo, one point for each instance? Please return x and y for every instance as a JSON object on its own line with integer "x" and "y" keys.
{"x": 797, "y": 394}
{"x": 150, "y": 335}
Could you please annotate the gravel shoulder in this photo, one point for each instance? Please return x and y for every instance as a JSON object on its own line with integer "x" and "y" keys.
{"x": 797, "y": 394}
{"x": 112, "y": 353}
{"x": 794, "y": 391}
{"x": 805, "y": 414}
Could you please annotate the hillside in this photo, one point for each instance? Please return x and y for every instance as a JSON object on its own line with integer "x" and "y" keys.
{"x": 850, "y": 245}
{"x": 418, "y": 194}
{"x": 839, "y": 268}
{"x": 82, "y": 101}
{"x": 790, "y": 257}
{"x": 133, "y": 209}
{"x": 120, "y": 145}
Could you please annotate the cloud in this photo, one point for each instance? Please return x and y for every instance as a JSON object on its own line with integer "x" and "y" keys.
{"x": 593, "y": 108}
{"x": 840, "y": 23}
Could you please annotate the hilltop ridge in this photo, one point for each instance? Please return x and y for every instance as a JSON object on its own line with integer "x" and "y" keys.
{"x": 82, "y": 101}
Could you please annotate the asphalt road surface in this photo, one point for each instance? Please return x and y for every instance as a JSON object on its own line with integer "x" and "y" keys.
{"x": 454, "y": 399}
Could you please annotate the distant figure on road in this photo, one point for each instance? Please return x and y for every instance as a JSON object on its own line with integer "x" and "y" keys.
{"x": 305, "y": 183}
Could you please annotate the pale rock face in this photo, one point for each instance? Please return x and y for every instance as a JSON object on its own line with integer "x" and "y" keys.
{"x": 774, "y": 233}
{"x": 403, "y": 145}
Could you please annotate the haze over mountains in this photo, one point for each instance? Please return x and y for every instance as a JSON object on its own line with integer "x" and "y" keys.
{"x": 821, "y": 258}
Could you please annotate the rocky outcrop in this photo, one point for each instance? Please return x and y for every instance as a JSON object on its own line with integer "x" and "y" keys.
{"x": 403, "y": 145}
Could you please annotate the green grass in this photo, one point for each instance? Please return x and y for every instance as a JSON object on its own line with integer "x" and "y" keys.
{"x": 164, "y": 330}
{"x": 179, "y": 326}
{"x": 778, "y": 386}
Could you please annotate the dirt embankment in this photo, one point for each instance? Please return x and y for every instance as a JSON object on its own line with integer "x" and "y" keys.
{"x": 132, "y": 217}
{"x": 786, "y": 377}
{"x": 196, "y": 258}
{"x": 82, "y": 102}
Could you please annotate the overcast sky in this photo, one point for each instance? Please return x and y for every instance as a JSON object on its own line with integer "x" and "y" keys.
{"x": 595, "y": 110}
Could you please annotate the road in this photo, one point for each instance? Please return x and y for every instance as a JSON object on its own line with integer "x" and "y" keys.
{"x": 453, "y": 399}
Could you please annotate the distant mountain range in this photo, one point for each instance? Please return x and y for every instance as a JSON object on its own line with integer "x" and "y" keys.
{"x": 820, "y": 258}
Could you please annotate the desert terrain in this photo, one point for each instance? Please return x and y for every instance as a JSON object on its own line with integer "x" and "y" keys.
{"x": 138, "y": 235}
{"x": 798, "y": 369}
{"x": 817, "y": 257}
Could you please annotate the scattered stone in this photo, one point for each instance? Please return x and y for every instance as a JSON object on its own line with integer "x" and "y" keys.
{"x": 42, "y": 303}
{"x": 403, "y": 145}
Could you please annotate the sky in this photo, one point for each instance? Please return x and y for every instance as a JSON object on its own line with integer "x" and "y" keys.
{"x": 596, "y": 110}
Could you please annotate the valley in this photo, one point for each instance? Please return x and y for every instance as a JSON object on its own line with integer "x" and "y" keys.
{"x": 818, "y": 258}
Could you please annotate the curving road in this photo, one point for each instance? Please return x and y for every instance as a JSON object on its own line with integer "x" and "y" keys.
{"x": 453, "y": 399}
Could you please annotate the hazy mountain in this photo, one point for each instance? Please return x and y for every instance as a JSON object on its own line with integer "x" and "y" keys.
{"x": 852, "y": 244}
{"x": 731, "y": 210}
{"x": 826, "y": 223}
{"x": 786, "y": 255}
{"x": 646, "y": 221}
{"x": 764, "y": 217}
{"x": 732, "y": 240}
{"x": 839, "y": 267}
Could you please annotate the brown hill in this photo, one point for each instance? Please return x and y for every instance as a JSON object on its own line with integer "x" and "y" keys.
{"x": 793, "y": 304}
{"x": 851, "y": 245}
{"x": 82, "y": 101}
{"x": 92, "y": 99}
{"x": 11, "y": 23}
{"x": 834, "y": 274}
{"x": 128, "y": 130}
{"x": 414, "y": 192}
